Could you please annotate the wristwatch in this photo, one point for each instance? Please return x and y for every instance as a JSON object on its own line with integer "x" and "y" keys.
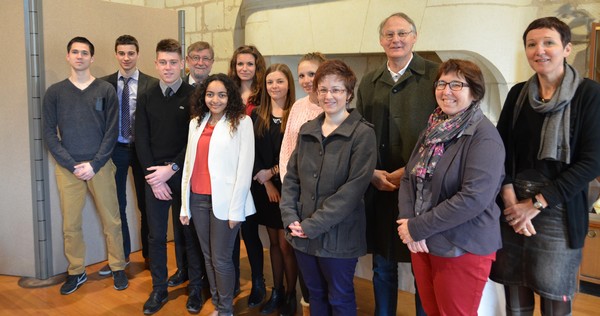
{"x": 537, "y": 204}
{"x": 174, "y": 166}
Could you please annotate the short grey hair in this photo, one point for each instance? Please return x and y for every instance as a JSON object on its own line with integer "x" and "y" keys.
{"x": 199, "y": 46}
{"x": 399, "y": 15}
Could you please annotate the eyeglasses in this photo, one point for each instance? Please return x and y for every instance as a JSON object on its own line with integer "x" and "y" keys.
{"x": 334, "y": 91}
{"x": 454, "y": 85}
{"x": 196, "y": 59}
{"x": 401, "y": 34}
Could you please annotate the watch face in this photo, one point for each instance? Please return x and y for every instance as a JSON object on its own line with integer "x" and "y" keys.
{"x": 175, "y": 167}
{"x": 538, "y": 205}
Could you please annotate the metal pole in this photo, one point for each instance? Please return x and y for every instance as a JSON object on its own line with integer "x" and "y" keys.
{"x": 39, "y": 157}
{"x": 181, "y": 19}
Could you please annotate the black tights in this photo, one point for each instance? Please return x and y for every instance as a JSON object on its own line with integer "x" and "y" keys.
{"x": 283, "y": 260}
{"x": 254, "y": 247}
{"x": 520, "y": 301}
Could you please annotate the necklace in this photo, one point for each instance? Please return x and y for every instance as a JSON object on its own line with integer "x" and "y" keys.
{"x": 213, "y": 121}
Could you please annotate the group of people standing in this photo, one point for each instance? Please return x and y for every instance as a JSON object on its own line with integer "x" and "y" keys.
{"x": 415, "y": 173}
{"x": 508, "y": 203}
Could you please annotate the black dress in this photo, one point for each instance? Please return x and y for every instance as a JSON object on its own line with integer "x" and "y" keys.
{"x": 267, "y": 147}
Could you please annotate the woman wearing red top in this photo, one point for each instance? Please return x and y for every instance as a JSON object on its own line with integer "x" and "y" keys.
{"x": 247, "y": 69}
{"x": 216, "y": 179}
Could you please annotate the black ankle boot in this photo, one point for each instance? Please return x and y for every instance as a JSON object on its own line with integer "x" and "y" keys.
{"x": 257, "y": 293}
{"x": 276, "y": 300}
{"x": 289, "y": 305}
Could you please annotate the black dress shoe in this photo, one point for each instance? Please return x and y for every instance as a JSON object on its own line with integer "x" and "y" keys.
{"x": 195, "y": 301}
{"x": 275, "y": 302}
{"x": 289, "y": 305}
{"x": 179, "y": 277}
{"x": 155, "y": 302}
{"x": 257, "y": 293}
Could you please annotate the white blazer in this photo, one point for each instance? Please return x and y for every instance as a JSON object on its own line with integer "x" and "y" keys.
{"x": 230, "y": 163}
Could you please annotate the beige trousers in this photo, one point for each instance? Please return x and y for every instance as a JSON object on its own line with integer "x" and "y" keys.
{"x": 72, "y": 193}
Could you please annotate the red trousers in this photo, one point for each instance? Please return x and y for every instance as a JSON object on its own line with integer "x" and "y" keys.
{"x": 451, "y": 286}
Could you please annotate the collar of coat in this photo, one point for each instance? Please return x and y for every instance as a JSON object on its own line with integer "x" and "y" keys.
{"x": 416, "y": 66}
{"x": 470, "y": 130}
{"x": 345, "y": 129}
{"x": 471, "y": 124}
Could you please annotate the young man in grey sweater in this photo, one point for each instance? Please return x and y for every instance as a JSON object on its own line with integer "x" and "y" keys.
{"x": 80, "y": 129}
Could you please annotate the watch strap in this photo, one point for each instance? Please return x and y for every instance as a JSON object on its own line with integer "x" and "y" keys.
{"x": 537, "y": 204}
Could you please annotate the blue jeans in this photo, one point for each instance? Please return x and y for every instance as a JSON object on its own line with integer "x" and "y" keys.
{"x": 385, "y": 287}
{"x": 330, "y": 282}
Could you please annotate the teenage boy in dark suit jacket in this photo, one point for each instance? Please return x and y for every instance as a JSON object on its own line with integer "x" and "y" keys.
{"x": 124, "y": 155}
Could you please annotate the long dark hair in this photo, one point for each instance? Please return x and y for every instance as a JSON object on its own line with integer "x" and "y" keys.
{"x": 265, "y": 108}
{"x": 234, "y": 111}
{"x": 259, "y": 74}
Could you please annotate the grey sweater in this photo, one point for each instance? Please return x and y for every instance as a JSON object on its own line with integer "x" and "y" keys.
{"x": 80, "y": 125}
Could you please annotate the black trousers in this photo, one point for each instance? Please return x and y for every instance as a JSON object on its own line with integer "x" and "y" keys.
{"x": 157, "y": 212}
{"x": 125, "y": 156}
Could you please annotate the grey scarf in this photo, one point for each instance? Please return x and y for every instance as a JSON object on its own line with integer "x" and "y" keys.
{"x": 555, "y": 129}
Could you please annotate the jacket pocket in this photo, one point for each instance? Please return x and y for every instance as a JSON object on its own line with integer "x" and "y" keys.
{"x": 330, "y": 239}
{"x": 99, "y": 104}
{"x": 344, "y": 238}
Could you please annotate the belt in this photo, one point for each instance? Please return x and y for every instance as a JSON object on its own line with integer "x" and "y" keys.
{"x": 126, "y": 145}
{"x": 203, "y": 197}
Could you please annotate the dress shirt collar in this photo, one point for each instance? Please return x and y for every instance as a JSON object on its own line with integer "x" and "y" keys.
{"x": 397, "y": 75}
{"x": 174, "y": 86}
{"x": 135, "y": 75}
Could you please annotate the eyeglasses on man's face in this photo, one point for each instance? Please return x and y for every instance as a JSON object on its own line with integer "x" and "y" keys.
{"x": 401, "y": 34}
{"x": 197, "y": 58}
{"x": 454, "y": 85}
{"x": 334, "y": 91}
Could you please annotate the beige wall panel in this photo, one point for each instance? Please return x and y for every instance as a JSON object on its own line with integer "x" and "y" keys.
{"x": 16, "y": 218}
{"x": 101, "y": 22}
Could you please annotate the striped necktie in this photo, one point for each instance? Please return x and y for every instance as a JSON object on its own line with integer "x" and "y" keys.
{"x": 126, "y": 130}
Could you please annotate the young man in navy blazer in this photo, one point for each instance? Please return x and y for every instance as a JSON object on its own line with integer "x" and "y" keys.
{"x": 124, "y": 155}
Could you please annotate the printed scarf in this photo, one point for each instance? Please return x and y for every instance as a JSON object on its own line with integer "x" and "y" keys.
{"x": 440, "y": 130}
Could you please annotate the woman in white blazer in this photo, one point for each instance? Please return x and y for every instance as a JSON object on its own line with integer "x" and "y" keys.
{"x": 217, "y": 174}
